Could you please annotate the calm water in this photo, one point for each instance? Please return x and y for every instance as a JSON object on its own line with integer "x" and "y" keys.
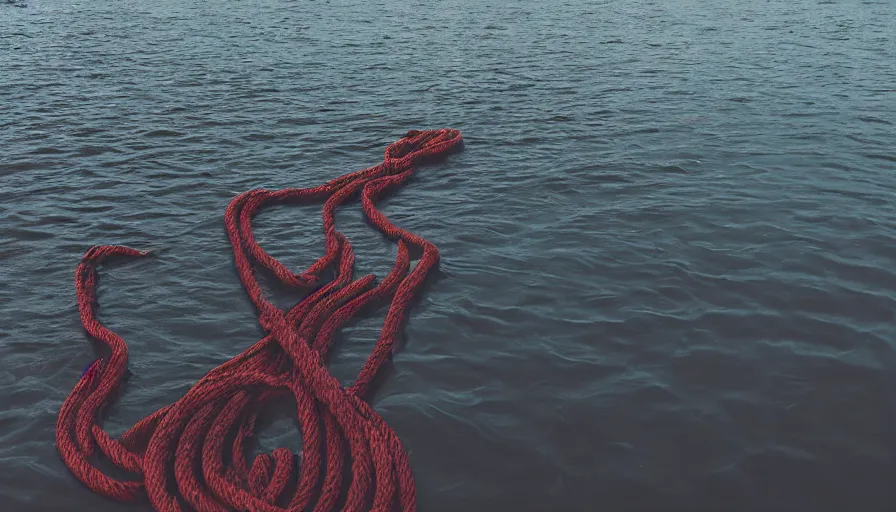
{"x": 668, "y": 249}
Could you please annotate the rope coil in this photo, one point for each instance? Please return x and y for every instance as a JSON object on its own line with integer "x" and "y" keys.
{"x": 192, "y": 454}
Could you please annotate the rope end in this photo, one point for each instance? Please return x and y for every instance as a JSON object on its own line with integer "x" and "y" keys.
{"x": 89, "y": 366}
{"x": 98, "y": 253}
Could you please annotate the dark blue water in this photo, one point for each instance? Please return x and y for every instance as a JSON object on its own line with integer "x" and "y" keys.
{"x": 668, "y": 249}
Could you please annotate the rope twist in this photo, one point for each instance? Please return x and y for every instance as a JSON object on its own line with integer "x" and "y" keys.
{"x": 192, "y": 454}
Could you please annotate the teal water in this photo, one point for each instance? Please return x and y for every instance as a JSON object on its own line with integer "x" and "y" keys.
{"x": 668, "y": 249}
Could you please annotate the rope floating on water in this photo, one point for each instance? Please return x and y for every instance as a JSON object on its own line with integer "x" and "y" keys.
{"x": 192, "y": 453}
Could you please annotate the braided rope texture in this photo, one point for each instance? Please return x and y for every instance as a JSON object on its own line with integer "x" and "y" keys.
{"x": 191, "y": 455}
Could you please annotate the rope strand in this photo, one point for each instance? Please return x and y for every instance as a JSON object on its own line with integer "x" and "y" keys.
{"x": 192, "y": 452}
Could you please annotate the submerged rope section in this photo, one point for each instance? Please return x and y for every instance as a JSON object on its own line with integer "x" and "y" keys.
{"x": 191, "y": 455}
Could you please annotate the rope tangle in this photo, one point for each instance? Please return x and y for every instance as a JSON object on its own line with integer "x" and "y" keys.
{"x": 191, "y": 455}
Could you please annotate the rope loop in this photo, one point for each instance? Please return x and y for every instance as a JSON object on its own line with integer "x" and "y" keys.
{"x": 193, "y": 452}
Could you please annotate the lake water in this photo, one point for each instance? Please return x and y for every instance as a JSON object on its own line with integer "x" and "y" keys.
{"x": 668, "y": 273}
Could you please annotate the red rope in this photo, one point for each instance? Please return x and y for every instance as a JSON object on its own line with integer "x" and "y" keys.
{"x": 191, "y": 454}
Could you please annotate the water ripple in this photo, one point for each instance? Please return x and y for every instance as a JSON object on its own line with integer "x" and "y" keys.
{"x": 667, "y": 252}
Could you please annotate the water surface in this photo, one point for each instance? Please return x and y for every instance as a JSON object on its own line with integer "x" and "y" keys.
{"x": 668, "y": 249}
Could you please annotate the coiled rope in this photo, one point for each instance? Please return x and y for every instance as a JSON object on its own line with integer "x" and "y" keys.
{"x": 192, "y": 453}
